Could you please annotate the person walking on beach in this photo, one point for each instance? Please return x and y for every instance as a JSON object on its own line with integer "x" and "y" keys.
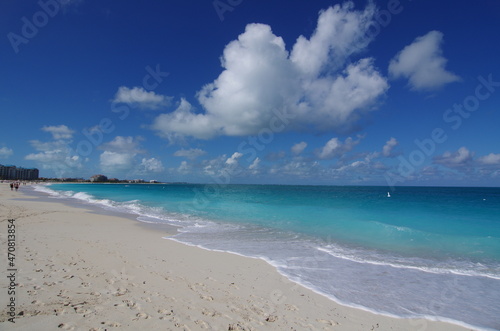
{"x": 16, "y": 186}
{"x": 11, "y": 186}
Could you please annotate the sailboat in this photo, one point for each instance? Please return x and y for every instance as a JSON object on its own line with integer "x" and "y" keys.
{"x": 388, "y": 195}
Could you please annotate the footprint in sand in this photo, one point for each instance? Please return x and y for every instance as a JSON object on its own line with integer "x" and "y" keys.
{"x": 111, "y": 324}
{"x": 236, "y": 327}
{"x": 121, "y": 291}
{"x": 131, "y": 304}
{"x": 179, "y": 325}
{"x": 60, "y": 311}
{"x": 201, "y": 324}
{"x": 328, "y": 322}
{"x": 66, "y": 326}
{"x": 207, "y": 297}
{"x": 211, "y": 313}
{"x": 233, "y": 285}
{"x": 165, "y": 312}
{"x": 141, "y": 316}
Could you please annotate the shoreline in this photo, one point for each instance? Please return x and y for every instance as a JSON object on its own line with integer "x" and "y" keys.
{"x": 125, "y": 274}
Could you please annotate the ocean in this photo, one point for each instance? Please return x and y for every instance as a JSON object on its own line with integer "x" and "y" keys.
{"x": 431, "y": 252}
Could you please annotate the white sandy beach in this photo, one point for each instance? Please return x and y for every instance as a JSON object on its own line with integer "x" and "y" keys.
{"x": 81, "y": 270}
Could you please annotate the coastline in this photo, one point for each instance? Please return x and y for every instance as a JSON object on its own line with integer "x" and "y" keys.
{"x": 81, "y": 270}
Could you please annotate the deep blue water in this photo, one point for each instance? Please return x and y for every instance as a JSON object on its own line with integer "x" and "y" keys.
{"x": 424, "y": 251}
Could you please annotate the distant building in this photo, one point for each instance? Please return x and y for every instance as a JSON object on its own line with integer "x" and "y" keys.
{"x": 15, "y": 173}
{"x": 98, "y": 178}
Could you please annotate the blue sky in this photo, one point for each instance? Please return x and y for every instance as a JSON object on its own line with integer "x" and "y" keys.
{"x": 292, "y": 92}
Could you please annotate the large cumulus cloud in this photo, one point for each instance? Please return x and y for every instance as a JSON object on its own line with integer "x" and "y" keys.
{"x": 315, "y": 82}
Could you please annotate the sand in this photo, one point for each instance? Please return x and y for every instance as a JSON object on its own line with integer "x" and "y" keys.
{"x": 77, "y": 269}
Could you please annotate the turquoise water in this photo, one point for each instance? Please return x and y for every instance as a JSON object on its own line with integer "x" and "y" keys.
{"x": 429, "y": 252}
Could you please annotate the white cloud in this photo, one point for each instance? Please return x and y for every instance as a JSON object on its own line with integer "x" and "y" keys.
{"x": 314, "y": 84}
{"x": 337, "y": 103}
{"x": 389, "y": 146}
{"x": 120, "y": 158}
{"x": 490, "y": 159}
{"x": 297, "y": 169}
{"x": 340, "y": 32}
{"x": 151, "y": 165}
{"x": 122, "y": 144}
{"x": 184, "y": 168}
{"x": 59, "y": 132}
{"x": 5, "y": 152}
{"x": 255, "y": 164}
{"x": 460, "y": 158}
{"x": 233, "y": 160}
{"x": 299, "y": 147}
{"x": 422, "y": 63}
{"x": 216, "y": 166}
{"x": 58, "y": 161}
{"x": 56, "y": 155}
{"x": 335, "y": 148}
{"x": 191, "y": 153}
{"x": 358, "y": 171}
{"x": 139, "y": 97}
{"x": 183, "y": 122}
{"x": 114, "y": 162}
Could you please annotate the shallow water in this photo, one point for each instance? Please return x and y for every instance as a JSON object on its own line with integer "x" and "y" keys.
{"x": 428, "y": 252}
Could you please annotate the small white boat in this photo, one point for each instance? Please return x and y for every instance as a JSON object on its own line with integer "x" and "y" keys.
{"x": 388, "y": 195}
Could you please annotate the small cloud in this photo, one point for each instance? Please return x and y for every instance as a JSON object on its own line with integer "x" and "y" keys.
{"x": 490, "y": 159}
{"x": 5, "y": 152}
{"x": 139, "y": 97}
{"x": 184, "y": 168}
{"x": 299, "y": 148}
{"x": 191, "y": 154}
{"x": 114, "y": 161}
{"x": 121, "y": 144}
{"x": 335, "y": 148}
{"x": 183, "y": 122}
{"x": 151, "y": 165}
{"x": 423, "y": 64}
{"x": 59, "y": 132}
{"x": 234, "y": 159}
{"x": 461, "y": 158}
{"x": 56, "y": 154}
{"x": 298, "y": 169}
{"x": 119, "y": 157}
{"x": 255, "y": 164}
{"x": 389, "y": 146}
